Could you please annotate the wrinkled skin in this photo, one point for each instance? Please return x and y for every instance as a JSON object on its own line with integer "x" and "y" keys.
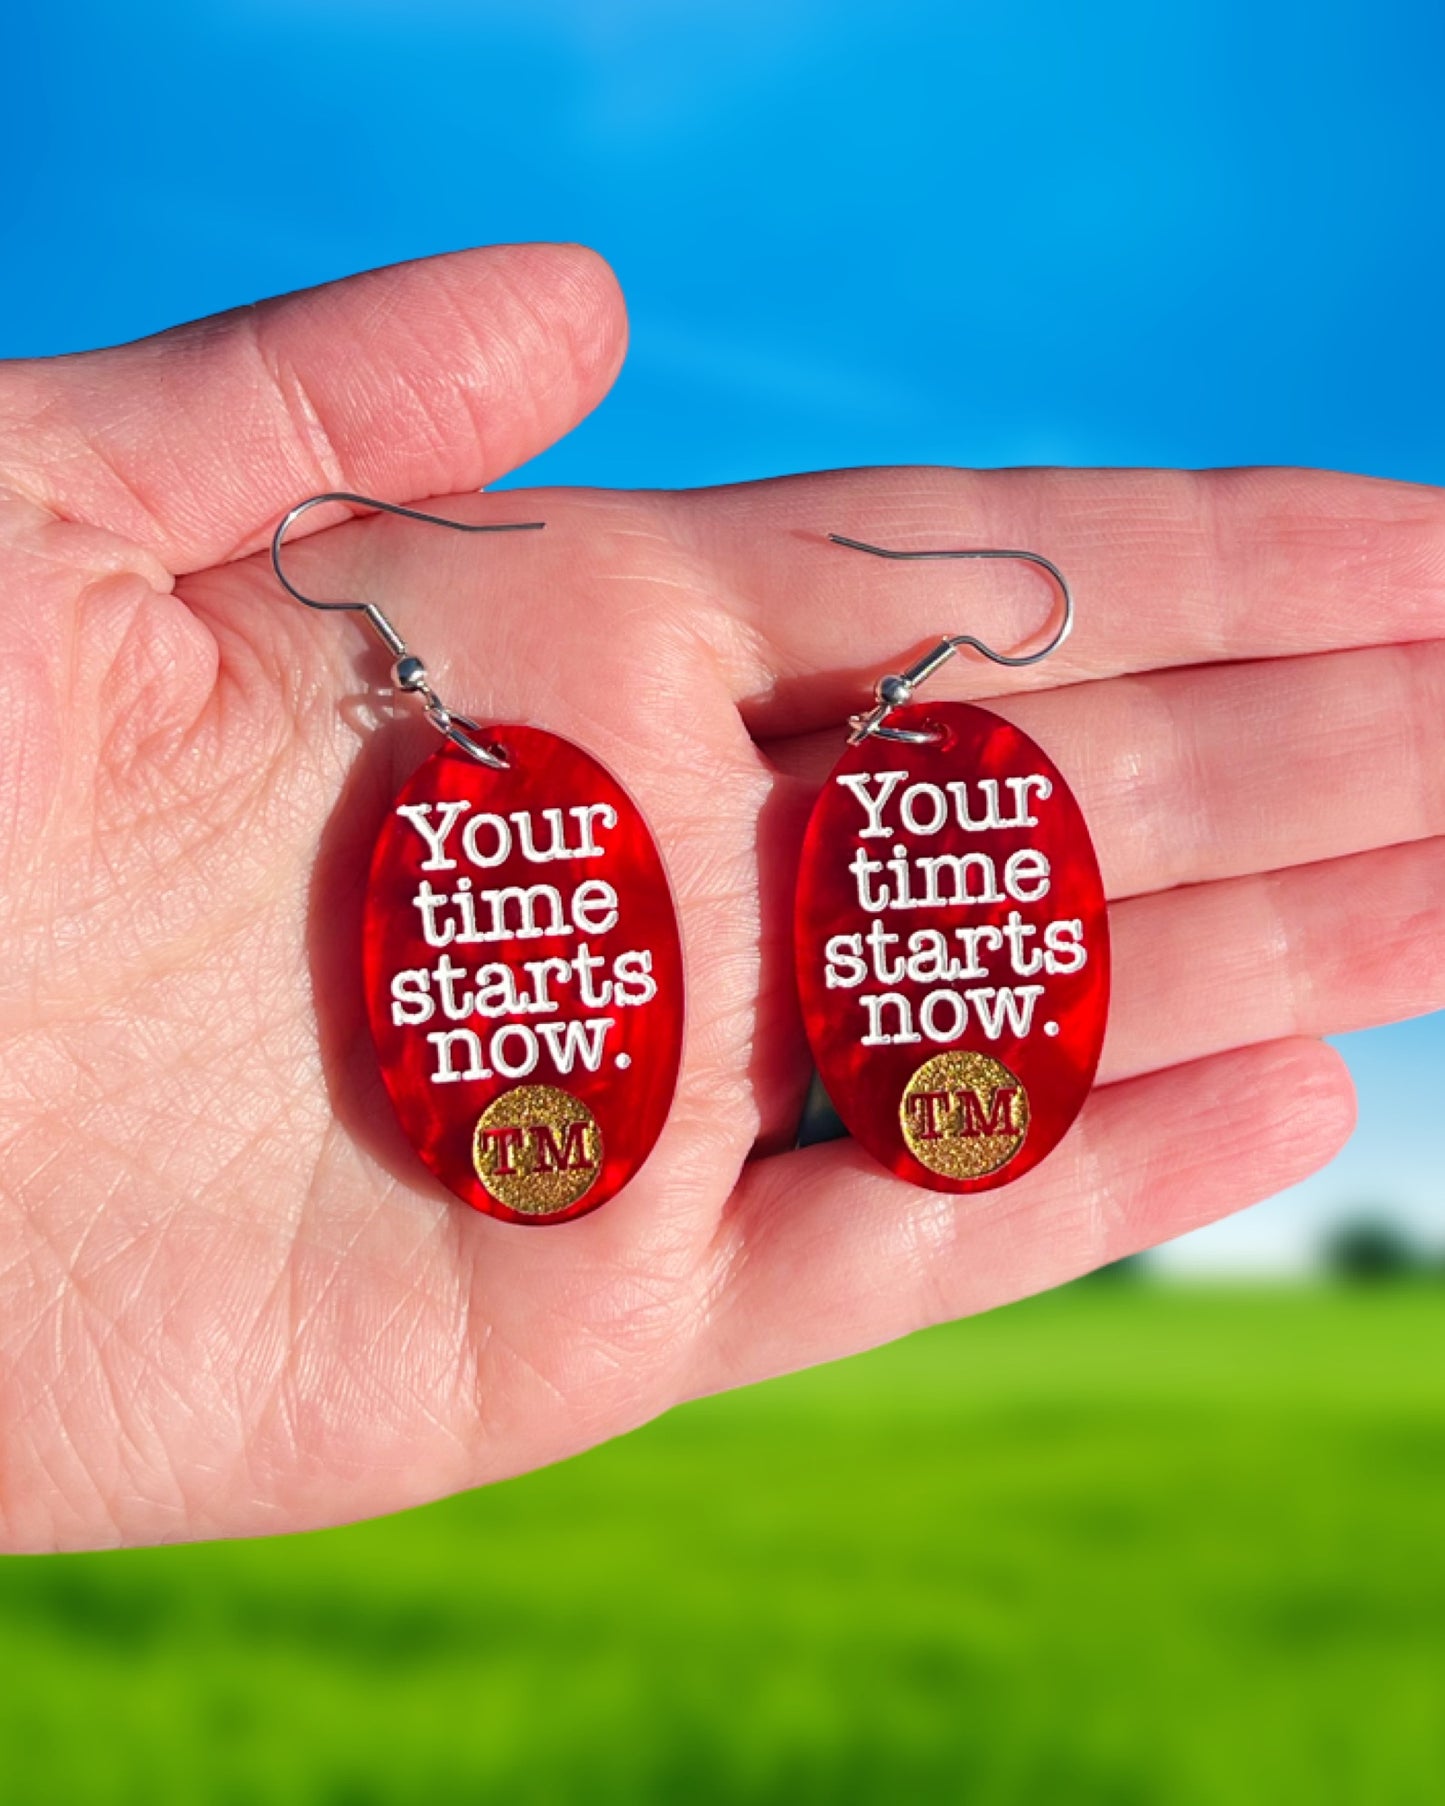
{"x": 231, "y": 1300}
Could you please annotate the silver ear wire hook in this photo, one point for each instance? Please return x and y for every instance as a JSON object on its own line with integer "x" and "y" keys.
{"x": 407, "y": 670}
{"x": 897, "y": 688}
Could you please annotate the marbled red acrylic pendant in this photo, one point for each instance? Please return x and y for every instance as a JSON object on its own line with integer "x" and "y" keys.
{"x": 524, "y": 976}
{"x": 952, "y": 948}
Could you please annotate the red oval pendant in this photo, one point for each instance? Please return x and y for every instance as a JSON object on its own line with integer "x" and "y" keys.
{"x": 524, "y": 978}
{"x": 952, "y": 947}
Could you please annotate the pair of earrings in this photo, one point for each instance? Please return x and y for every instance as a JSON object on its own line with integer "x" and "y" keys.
{"x": 524, "y": 972}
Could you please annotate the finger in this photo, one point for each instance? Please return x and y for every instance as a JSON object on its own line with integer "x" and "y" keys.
{"x": 1168, "y": 568}
{"x": 1321, "y": 950}
{"x": 417, "y": 380}
{"x": 1187, "y": 776}
{"x": 825, "y": 1253}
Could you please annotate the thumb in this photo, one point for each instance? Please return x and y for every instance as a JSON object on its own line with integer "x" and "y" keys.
{"x": 426, "y": 378}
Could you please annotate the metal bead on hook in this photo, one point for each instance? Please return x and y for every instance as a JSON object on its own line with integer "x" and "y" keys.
{"x": 894, "y": 691}
{"x": 408, "y": 672}
{"x": 897, "y": 688}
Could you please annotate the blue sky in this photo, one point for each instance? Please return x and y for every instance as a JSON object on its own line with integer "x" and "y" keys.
{"x": 977, "y": 234}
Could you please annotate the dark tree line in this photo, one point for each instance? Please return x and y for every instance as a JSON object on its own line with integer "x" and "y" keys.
{"x": 1371, "y": 1249}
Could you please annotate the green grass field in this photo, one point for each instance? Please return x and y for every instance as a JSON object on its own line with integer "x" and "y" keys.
{"x": 1130, "y": 1543}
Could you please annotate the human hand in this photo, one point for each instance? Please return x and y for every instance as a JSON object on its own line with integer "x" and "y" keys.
{"x": 232, "y": 1301}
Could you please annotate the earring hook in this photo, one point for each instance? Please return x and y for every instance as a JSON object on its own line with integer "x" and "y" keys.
{"x": 407, "y": 671}
{"x": 897, "y": 688}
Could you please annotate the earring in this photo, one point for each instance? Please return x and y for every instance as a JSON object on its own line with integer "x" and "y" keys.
{"x": 522, "y": 962}
{"x": 951, "y": 934}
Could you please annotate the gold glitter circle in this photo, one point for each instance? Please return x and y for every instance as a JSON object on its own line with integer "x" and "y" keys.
{"x": 954, "y": 1120}
{"x": 537, "y": 1149}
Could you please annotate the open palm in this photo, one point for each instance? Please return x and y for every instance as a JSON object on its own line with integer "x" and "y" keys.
{"x": 231, "y": 1299}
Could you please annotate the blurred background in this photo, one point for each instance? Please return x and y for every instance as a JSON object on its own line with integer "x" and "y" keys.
{"x": 1172, "y": 1534}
